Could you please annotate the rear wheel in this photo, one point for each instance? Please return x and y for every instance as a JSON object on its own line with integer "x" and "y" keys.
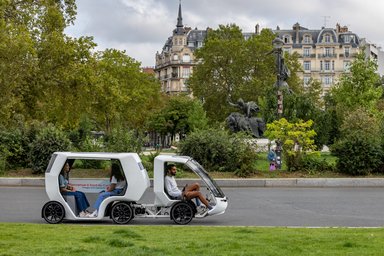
{"x": 53, "y": 212}
{"x": 121, "y": 213}
{"x": 182, "y": 213}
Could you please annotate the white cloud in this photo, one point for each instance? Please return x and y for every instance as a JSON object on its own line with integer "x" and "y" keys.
{"x": 142, "y": 26}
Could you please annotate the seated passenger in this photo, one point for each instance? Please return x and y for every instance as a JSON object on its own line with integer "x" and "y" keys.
{"x": 189, "y": 191}
{"x": 66, "y": 189}
{"x": 117, "y": 184}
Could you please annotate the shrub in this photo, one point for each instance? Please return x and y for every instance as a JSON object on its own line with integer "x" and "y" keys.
{"x": 359, "y": 149}
{"x": 216, "y": 150}
{"x": 357, "y": 155}
{"x": 15, "y": 143}
{"x": 314, "y": 163}
{"x": 123, "y": 140}
{"x": 48, "y": 140}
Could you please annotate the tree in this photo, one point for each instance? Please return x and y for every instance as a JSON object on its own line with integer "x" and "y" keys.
{"x": 181, "y": 115}
{"x": 357, "y": 88}
{"x": 232, "y": 67}
{"x": 359, "y": 150}
{"x": 297, "y": 139}
{"x": 41, "y": 68}
{"x": 121, "y": 93}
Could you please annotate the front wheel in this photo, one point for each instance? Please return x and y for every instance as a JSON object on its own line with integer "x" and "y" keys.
{"x": 121, "y": 213}
{"x": 182, "y": 213}
{"x": 53, "y": 212}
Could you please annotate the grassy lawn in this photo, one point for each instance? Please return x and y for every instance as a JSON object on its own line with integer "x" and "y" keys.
{"x": 78, "y": 239}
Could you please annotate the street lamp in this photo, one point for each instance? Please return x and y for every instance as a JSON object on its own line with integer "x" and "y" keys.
{"x": 282, "y": 75}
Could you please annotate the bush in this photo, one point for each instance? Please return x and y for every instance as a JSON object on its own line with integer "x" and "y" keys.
{"x": 359, "y": 149}
{"x": 123, "y": 140}
{"x": 357, "y": 155}
{"x": 216, "y": 150}
{"x": 15, "y": 143}
{"x": 48, "y": 140}
{"x": 314, "y": 163}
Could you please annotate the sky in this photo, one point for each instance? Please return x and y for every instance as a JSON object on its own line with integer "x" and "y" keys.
{"x": 141, "y": 27}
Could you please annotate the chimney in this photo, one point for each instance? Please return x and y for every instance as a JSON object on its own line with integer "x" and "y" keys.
{"x": 257, "y": 27}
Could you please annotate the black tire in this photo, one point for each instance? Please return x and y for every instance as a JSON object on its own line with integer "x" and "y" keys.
{"x": 121, "y": 213}
{"x": 182, "y": 213}
{"x": 53, "y": 212}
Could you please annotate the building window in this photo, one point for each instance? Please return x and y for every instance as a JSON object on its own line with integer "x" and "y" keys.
{"x": 186, "y": 58}
{"x": 346, "y": 51}
{"x": 327, "y": 38}
{"x": 306, "y": 51}
{"x": 327, "y": 80}
{"x": 328, "y": 51}
{"x": 175, "y": 57}
{"x": 186, "y": 72}
{"x": 321, "y": 65}
{"x": 307, "y": 65}
{"x": 327, "y": 65}
{"x": 287, "y": 39}
{"x": 307, "y": 39}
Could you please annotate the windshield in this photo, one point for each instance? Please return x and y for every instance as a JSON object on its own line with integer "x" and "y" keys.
{"x": 211, "y": 184}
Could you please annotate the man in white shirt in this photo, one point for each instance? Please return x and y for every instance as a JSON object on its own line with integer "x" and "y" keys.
{"x": 189, "y": 191}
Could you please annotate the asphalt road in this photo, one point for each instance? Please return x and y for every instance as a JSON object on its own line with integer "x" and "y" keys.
{"x": 297, "y": 207}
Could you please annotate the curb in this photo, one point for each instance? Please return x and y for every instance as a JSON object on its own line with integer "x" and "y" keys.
{"x": 288, "y": 182}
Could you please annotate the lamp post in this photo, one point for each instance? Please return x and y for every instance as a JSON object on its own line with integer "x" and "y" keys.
{"x": 282, "y": 74}
{"x": 280, "y": 81}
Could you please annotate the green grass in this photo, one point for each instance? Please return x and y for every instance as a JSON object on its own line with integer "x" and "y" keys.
{"x": 78, "y": 239}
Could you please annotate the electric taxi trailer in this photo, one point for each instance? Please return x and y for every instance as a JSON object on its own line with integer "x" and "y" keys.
{"x": 124, "y": 207}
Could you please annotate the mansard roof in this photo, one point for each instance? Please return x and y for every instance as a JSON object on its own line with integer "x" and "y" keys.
{"x": 344, "y": 37}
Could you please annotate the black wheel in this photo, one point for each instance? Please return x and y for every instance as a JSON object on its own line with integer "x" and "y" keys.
{"x": 182, "y": 213}
{"x": 121, "y": 213}
{"x": 53, "y": 212}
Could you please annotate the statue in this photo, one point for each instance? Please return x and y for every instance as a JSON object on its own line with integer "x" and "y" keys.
{"x": 245, "y": 121}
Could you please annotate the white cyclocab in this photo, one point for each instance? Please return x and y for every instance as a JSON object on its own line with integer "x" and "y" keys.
{"x": 125, "y": 206}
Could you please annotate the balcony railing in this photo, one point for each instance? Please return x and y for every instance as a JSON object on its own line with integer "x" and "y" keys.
{"x": 308, "y": 56}
{"x": 347, "y": 55}
{"x": 327, "y": 55}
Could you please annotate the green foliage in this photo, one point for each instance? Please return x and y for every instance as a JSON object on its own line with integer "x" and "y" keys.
{"x": 356, "y": 89}
{"x": 359, "y": 150}
{"x": 16, "y": 144}
{"x": 232, "y": 67}
{"x": 53, "y": 78}
{"x": 122, "y": 94}
{"x": 297, "y": 140}
{"x": 216, "y": 150}
{"x": 359, "y": 87}
{"x": 357, "y": 155}
{"x": 180, "y": 114}
{"x": 48, "y": 140}
{"x": 124, "y": 140}
{"x": 314, "y": 163}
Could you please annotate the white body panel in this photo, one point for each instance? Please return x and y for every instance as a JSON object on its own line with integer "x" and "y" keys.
{"x": 136, "y": 176}
{"x": 137, "y": 183}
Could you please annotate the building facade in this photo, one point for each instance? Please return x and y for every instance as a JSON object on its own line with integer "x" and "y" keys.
{"x": 325, "y": 54}
{"x": 174, "y": 65}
